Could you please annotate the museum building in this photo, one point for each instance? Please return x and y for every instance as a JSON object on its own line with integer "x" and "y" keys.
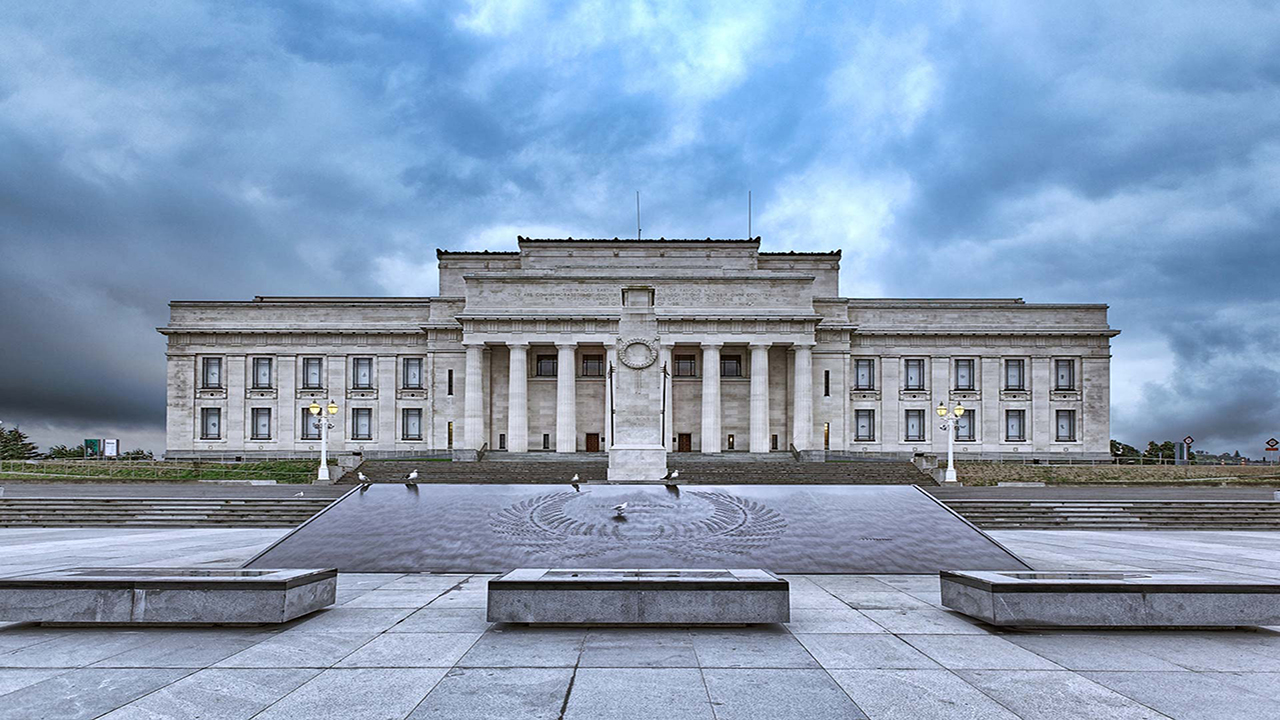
{"x": 514, "y": 355}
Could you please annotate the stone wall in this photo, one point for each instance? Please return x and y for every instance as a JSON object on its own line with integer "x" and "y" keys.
{"x": 990, "y": 473}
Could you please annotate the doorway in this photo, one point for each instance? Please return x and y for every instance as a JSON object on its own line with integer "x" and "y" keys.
{"x": 684, "y": 442}
{"x": 593, "y": 442}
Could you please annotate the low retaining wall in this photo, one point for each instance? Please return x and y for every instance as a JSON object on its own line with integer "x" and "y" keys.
{"x": 991, "y": 473}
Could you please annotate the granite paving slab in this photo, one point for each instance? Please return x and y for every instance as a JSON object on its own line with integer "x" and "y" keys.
{"x": 1053, "y": 695}
{"x": 364, "y": 693}
{"x": 497, "y": 694}
{"x": 845, "y": 652}
{"x": 638, "y": 647}
{"x": 84, "y": 693}
{"x": 1189, "y": 695}
{"x": 393, "y": 599}
{"x": 638, "y": 694}
{"x": 926, "y": 620}
{"x": 77, "y": 648}
{"x": 511, "y": 646}
{"x": 186, "y": 648}
{"x": 348, "y": 619}
{"x": 215, "y": 694}
{"x": 769, "y": 646}
{"x": 12, "y": 679}
{"x": 770, "y": 694}
{"x": 918, "y": 695}
{"x": 842, "y": 620}
{"x": 430, "y": 619}
{"x": 977, "y": 652}
{"x": 411, "y": 650}
{"x": 1090, "y": 651}
{"x": 293, "y": 649}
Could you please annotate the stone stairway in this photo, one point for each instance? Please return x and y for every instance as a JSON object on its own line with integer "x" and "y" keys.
{"x": 158, "y": 512}
{"x": 694, "y": 469}
{"x": 1060, "y": 514}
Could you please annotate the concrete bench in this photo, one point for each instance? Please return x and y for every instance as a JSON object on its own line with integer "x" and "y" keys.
{"x": 1112, "y": 599}
{"x": 639, "y": 597}
{"x": 160, "y": 596}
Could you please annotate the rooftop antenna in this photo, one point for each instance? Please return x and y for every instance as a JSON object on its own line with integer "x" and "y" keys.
{"x": 637, "y": 215}
{"x": 749, "y": 215}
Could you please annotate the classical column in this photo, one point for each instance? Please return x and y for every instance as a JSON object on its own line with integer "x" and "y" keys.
{"x": 518, "y": 398}
{"x": 610, "y": 361}
{"x": 664, "y": 358}
{"x": 566, "y": 399}
{"x": 473, "y": 405}
{"x": 760, "y": 398}
{"x": 802, "y": 433}
{"x": 711, "y": 397}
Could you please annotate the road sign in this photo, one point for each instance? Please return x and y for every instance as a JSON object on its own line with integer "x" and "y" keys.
{"x": 1188, "y": 439}
{"x": 1273, "y": 442}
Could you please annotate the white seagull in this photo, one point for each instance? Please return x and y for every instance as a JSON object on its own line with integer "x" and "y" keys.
{"x": 412, "y": 476}
{"x": 575, "y": 478}
{"x": 620, "y": 509}
{"x": 361, "y": 476}
{"x": 299, "y": 494}
{"x": 671, "y": 478}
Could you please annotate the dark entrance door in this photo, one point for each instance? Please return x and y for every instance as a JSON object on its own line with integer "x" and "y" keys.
{"x": 593, "y": 442}
{"x": 684, "y": 442}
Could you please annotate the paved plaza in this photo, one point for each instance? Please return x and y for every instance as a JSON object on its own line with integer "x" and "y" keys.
{"x": 398, "y": 646}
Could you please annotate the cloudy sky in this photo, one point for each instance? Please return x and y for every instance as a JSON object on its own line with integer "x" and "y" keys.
{"x": 1126, "y": 153}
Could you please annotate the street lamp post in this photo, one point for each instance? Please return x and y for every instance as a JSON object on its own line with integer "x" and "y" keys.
{"x": 949, "y": 417}
{"x": 324, "y": 425}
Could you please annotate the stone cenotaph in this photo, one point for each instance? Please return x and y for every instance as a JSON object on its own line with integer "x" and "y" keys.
{"x": 636, "y": 451}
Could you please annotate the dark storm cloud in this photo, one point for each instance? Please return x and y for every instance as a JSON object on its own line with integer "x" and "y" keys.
{"x": 1092, "y": 152}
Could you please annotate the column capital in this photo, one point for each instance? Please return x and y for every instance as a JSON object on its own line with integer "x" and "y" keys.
{"x": 473, "y": 344}
{"x": 567, "y": 345}
{"x": 760, "y": 345}
{"x": 715, "y": 344}
{"x": 804, "y": 345}
{"x": 517, "y": 344}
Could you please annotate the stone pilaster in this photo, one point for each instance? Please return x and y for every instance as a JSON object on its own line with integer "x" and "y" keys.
{"x": 759, "y": 398}
{"x": 669, "y": 414}
{"x": 566, "y": 399}
{"x": 711, "y": 397}
{"x": 472, "y": 402}
{"x": 802, "y": 433}
{"x": 518, "y": 398}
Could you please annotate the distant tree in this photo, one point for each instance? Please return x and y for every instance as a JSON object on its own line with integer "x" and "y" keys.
{"x": 62, "y": 452}
{"x": 1163, "y": 450}
{"x": 1119, "y": 449}
{"x": 14, "y": 445}
{"x": 138, "y": 454}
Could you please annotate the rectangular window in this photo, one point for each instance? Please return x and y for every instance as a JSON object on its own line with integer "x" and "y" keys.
{"x": 413, "y": 373}
{"x": 449, "y": 384}
{"x": 261, "y": 373}
{"x": 449, "y": 433}
{"x": 310, "y": 425}
{"x": 964, "y": 374}
{"x": 914, "y": 374}
{"x": 1064, "y": 375}
{"x": 211, "y": 373}
{"x": 826, "y": 383}
{"x": 362, "y": 373}
{"x": 546, "y": 441}
{"x": 864, "y": 427}
{"x": 1015, "y": 425}
{"x": 502, "y": 441}
{"x": 730, "y": 366}
{"x": 362, "y": 423}
{"x": 311, "y": 373}
{"x": 773, "y": 441}
{"x": 412, "y": 423}
{"x": 546, "y": 366}
{"x": 1066, "y": 426}
{"x": 211, "y": 424}
{"x": 826, "y": 436}
{"x": 965, "y": 425}
{"x": 729, "y": 441}
{"x": 864, "y": 374}
{"x": 592, "y": 366}
{"x": 261, "y": 424}
{"x": 1015, "y": 377}
{"x": 915, "y": 426}
{"x": 686, "y": 366}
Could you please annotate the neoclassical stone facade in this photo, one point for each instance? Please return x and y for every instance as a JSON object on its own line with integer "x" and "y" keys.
{"x": 762, "y": 354}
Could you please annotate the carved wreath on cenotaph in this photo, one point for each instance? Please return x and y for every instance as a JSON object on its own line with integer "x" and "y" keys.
{"x": 637, "y": 353}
